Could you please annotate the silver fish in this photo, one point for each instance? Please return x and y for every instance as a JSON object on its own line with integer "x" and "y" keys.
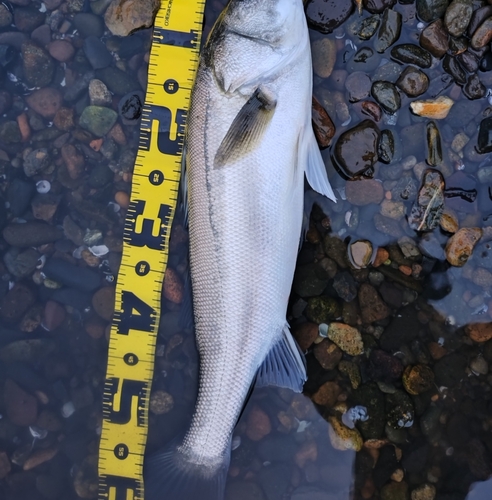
{"x": 249, "y": 144}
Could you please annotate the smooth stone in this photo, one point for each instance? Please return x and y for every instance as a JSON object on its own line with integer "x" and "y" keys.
{"x": 118, "y": 81}
{"x": 486, "y": 62}
{"x": 474, "y": 88}
{"x": 96, "y": 52}
{"x": 462, "y": 113}
{"x": 412, "y": 54}
{"x": 45, "y": 101}
{"x": 36, "y": 161}
{"x": 89, "y": 24}
{"x": 365, "y": 59}
{"x": 103, "y": 302}
{"x": 364, "y": 192}
{"x": 434, "y": 148}
{"x": 437, "y": 109}
{"x": 484, "y": 144}
{"x": 457, "y": 17}
{"x": 123, "y": 17}
{"x": 323, "y": 126}
{"x": 427, "y": 210}
{"x": 435, "y": 39}
{"x": 38, "y": 65}
{"x": 386, "y": 149}
{"x": 377, "y": 6}
{"x": 483, "y": 34}
{"x": 324, "y": 55}
{"x": 80, "y": 85}
{"x": 451, "y": 66}
{"x": 19, "y": 196}
{"x": 326, "y": 15}
{"x": 6, "y": 16}
{"x": 387, "y": 96}
{"x": 430, "y": 10}
{"x": 22, "y": 408}
{"x": 358, "y": 85}
{"x": 413, "y": 82}
{"x": 98, "y": 120}
{"x": 368, "y": 27}
{"x": 68, "y": 274}
{"x": 72, "y": 297}
{"x": 389, "y": 31}
{"x": 27, "y": 19}
{"x": 21, "y": 264}
{"x": 478, "y": 17}
{"x": 30, "y": 234}
{"x": 356, "y": 149}
{"x": 469, "y": 61}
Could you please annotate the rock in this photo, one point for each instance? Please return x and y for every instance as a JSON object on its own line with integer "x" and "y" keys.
{"x": 99, "y": 93}
{"x": 452, "y": 66}
{"x": 360, "y": 253}
{"x": 358, "y": 85}
{"x": 412, "y": 54}
{"x": 5, "y": 466}
{"x": 457, "y": 17}
{"x": 436, "y": 109}
{"x": 449, "y": 221}
{"x": 418, "y": 379}
{"x": 36, "y": 161}
{"x": 343, "y": 438}
{"x": 161, "y": 402}
{"x": 45, "y": 101}
{"x": 389, "y": 31}
{"x": 434, "y": 39}
{"x": 98, "y": 120}
{"x": 19, "y": 196}
{"x": 89, "y": 24}
{"x": 429, "y": 10}
{"x": 61, "y": 50}
{"x": 310, "y": 280}
{"x": 72, "y": 276}
{"x": 356, "y": 149}
{"x": 324, "y": 129}
{"x": 345, "y": 286}
{"x": 39, "y": 457}
{"x": 484, "y": 144}
{"x": 395, "y": 491}
{"x": 10, "y": 132}
{"x": 346, "y": 337}
{"x": 326, "y": 15}
{"x": 363, "y": 192}
{"x": 365, "y": 59}
{"x": 6, "y": 17}
{"x": 96, "y": 52}
{"x": 16, "y": 302}
{"x": 123, "y": 17}
{"x": 371, "y": 109}
{"x": 173, "y": 288}
{"x": 387, "y": 226}
{"x": 322, "y": 309}
{"x": 413, "y": 82}
{"x": 22, "y": 408}
{"x": 474, "y": 88}
{"x": 483, "y": 34}
{"x": 119, "y": 82}
{"x": 327, "y": 353}
{"x": 327, "y": 394}
{"x": 387, "y": 96}
{"x": 368, "y": 27}
{"x": 324, "y": 54}
{"x": 103, "y": 302}
{"x": 479, "y": 366}
{"x": 27, "y": 19}
{"x": 30, "y": 234}
{"x": 130, "y": 107}
{"x": 427, "y": 210}
{"x": 376, "y": 6}
{"x": 386, "y": 151}
{"x": 479, "y": 332}
{"x": 460, "y": 246}
{"x": 44, "y": 206}
{"x": 85, "y": 480}
{"x": 372, "y": 307}
{"x": 64, "y": 119}
{"x": 305, "y": 335}
{"x": 384, "y": 367}
{"x": 257, "y": 424}
{"x": 21, "y": 264}
{"x": 38, "y": 65}
{"x": 54, "y": 315}
{"x": 74, "y": 161}
{"x": 434, "y": 149}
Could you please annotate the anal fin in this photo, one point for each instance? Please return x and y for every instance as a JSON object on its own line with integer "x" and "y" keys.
{"x": 284, "y": 365}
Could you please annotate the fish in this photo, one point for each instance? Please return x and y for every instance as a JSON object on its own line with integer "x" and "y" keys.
{"x": 249, "y": 146}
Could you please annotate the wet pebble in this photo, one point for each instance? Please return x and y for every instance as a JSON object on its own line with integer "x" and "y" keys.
{"x": 429, "y": 10}
{"x": 323, "y": 126}
{"x": 368, "y": 27}
{"x": 71, "y": 275}
{"x": 346, "y": 337}
{"x": 96, "y": 52}
{"x": 38, "y": 65}
{"x": 434, "y": 39}
{"x": 310, "y": 280}
{"x": 327, "y": 394}
{"x": 123, "y": 17}
{"x": 457, "y": 17}
{"x": 19, "y": 196}
{"x": 376, "y": 6}
{"x": 326, "y": 15}
{"x": 61, "y": 50}
{"x": 358, "y": 85}
{"x": 424, "y": 492}
{"x": 483, "y": 34}
{"x": 386, "y": 148}
{"x": 452, "y": 66}
{"x": 89, "y": 24}
{"x": 45, "y": 101}
{"x": 360, "y": 253}
{"x": 427, "y": 210}
{"x": 130, "y": 107}
{"x": 98, "y": 120}
{"x": 371, "y": 305}
{"x": 459, "y": 247}
{"x": 434, "y": 148}
{"x": 413, "y": 82}
{"x": 485, "y": 136}
{"x": 474, "y": 88}
{"x": 257, "y": 424}
{"x": 389, "y": 31}
{"x": 6, "y": 16}
{"x": 365, "y": 191}
{"x": 412, "y": 54}
{"x": 322, "y": 309}
{"x": 324, "y": 54}
{"x": 305, "y": 335}
{"x": 327, "y": 354}
{"x": 436, "y": 109}
{"x": 387, "y": 96}
{"x": 30, "y": 234}
{"x": 418, "y": 379}
{"x": 342, "y": 437}
{"x": 356, "y": 149}
{"x": 103, "y": 302}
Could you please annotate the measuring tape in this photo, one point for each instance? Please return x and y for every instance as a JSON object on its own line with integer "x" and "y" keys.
{"x": 172, "y": 67}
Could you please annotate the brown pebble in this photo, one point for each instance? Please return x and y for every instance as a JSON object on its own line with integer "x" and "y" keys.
{"x": 449, "y": 221}
{"x": 460, "y": 246}
{"x": 123, "y": 199}
{"x": 257, "y": 424}
{"x": 24, "y": 128}
{"x": 46, "y": 101}
{"x": 406, "y": 270}
{"x": 382, "y": 255}
{"x": 327, "y": 394}
{"x": 323, "y": 126}
{"x": 103, "y": 302}
{"x": 363, "y": 192}
{"x": 74, "y": 161}
{"x": 483, "y": 34}
{"x": 95, "y": 328}
{"x": 117, "y": 134}
{"x": 371, "y": 109}
{"x": 328, "y": 354}
{"x": 22, "y": 408}
{"x": 64, "y": 119}
{"x": 479, "y": 332}
{"x": 308, "y": 452}
{"x": 54, "y": 315}
{"x": 61, "y": 50}
{"x": 49, "y": 420}
{"x": 39, "y": 457}
{"x": 305, "y": 334}
{"x": 16, "y": 302}
{"x": 96, "y": 144}
{"x": 173, "y": 286}
{"x": 418, "y": 379}
{"x": 371, "y": 305}
{"x": 436, "y": 109}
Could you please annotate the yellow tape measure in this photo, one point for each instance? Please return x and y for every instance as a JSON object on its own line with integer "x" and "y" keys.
{"x": 172, "y": 67}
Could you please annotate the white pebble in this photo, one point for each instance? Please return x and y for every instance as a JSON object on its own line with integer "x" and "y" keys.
{"x": 115, "y": 206}
{"x": 68, "y": 409}
{"x": 236, "y": 442}
{"x": 43, "y": 187}
{"x": 99, "y": 250}
{"x": 77, "y": 253}
{"x": 323, "y": 330}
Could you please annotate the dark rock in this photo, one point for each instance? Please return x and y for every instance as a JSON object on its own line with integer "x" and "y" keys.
{"x": 277, "y": 448}
{"x": 30, "y": 234}
{"x": 372, "y": 109}
{"x": 485, "y": 136}
{"x": 483, "y": 34}
{"x": 462, "y": 113}
{"x": 384, "y": 367}
{"x": 38, "y": 65}
{"x": 275, "y": 480}
{"x": 72, "y": 276}
{"x": 451, "y": 66}
{"x": 413, "y": 82}
{"x": 376, "y": 6}
{"x": 364, "y": 192}
{"x": 19, "y": 196}
{"x": 372, "y": 308}
{"x": 21, "y": 264}
{"x": 486, "y": 62}
{"x": 27, "y": 19}
{"x": 412, "y": 54}
{"x": 328, "y": 354}
{"x": 386, "y": 149}
{"x": 435, "y": 39}
{"x": 405, "y": 189}
{"x": 119, "y": 82}
{"x": 72, "y": 297}
{"x": 310, "y": 280}
{"x": 17, "y": 301}
{"x": 387, "y": 226}
{"x": 365, "y": 59}
{"x": 404, "y": 328}
{"x": 372, "y": 398}
{"x": 98, "y": 120}
{"x": 89, "y": 24}
{"x": 130, "y": 107}
{"x": 429, "y": 10}
{"x": 345, "y": 286}
{"x": 323, "y": 309}
{"x": 468, "y": 61}
{"x": 356, "y": 149}
{"x": 96, "y": 52}
{"x": 434, "y": 148}
{"x": 80, "y": 85}
{"x": 461, "y": 192}
{"x": 474, "y": 88}
{"x": 36, "y": 161}
{"x": 358, "y": 85}
{"x": 427, "y": 210}
{"x": 243, "y": 490}
{"x": 478, "y": 17}
{"x": 387, "y": 464}
{"x": 389, "y": 31}
{"x": 323, "y": 126}
{"x": 457, "y": 17}
{"x": 450, "y": 369}
{"x": 10, "y": 133}
{"x": 387, "y": 96}
{"x": 326, "y": 15}
{"x": 368, "y": 27}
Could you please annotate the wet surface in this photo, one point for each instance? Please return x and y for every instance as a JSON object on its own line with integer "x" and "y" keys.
{"x": 391, "y": 300}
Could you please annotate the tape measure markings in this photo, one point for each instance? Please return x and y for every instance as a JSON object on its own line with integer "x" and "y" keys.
{"x": 155, "y": 188}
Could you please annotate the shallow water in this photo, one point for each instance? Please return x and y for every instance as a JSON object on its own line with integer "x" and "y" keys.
{"x": 422, "y": 378}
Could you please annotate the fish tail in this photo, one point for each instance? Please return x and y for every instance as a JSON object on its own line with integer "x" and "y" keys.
{"x": 171, "y": 475}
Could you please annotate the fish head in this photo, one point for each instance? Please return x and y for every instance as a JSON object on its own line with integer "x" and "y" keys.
{"x": 276, "y": 22}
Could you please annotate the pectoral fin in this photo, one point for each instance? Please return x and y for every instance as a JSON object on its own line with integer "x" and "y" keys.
{"x": 247, "y": 128}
